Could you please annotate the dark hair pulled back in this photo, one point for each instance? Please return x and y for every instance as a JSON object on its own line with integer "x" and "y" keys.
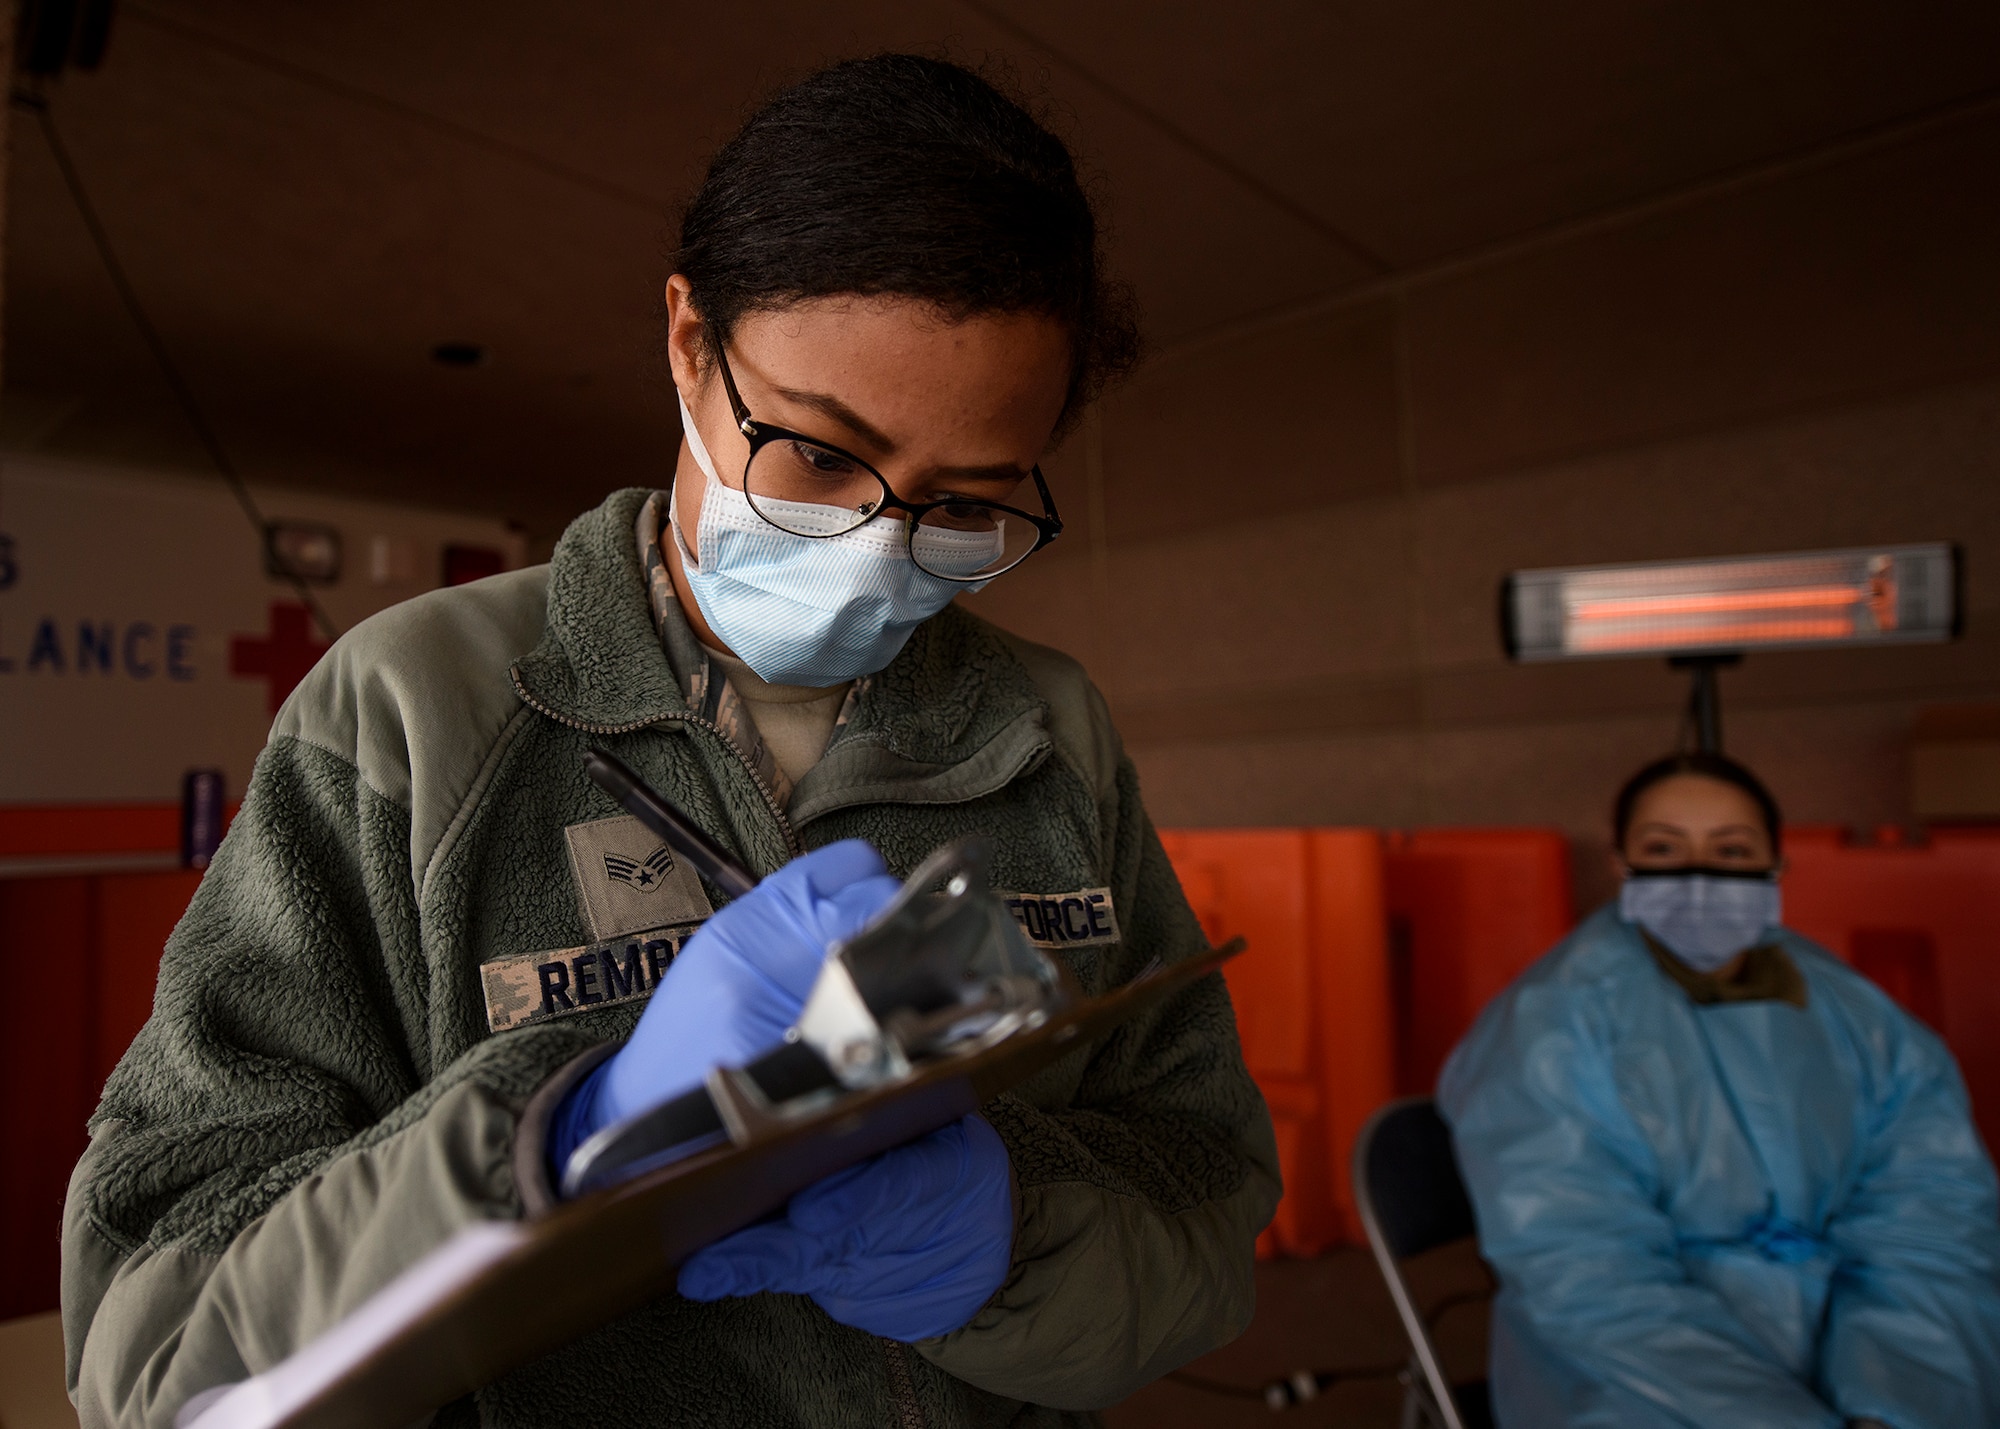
{"x": 910, "y": 177}
{"x": 1708, "y": 766}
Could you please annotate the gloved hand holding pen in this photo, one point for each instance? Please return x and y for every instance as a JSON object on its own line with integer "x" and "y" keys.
{"x": 909, "y": 1244}
{"x": 737, "y": 985}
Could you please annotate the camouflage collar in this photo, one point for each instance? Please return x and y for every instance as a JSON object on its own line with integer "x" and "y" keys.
{"x": 600, "y": 665}
{"x": 707, "y": 690}
{"x": 1767, "y": 975}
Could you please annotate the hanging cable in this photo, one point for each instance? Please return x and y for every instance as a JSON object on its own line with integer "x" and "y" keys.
{"x": 1301, "y": 1386}
{"x": 38, "y": 105}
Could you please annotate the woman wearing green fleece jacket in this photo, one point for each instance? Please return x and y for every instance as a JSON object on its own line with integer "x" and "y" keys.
{"x": 391, "y": 1004}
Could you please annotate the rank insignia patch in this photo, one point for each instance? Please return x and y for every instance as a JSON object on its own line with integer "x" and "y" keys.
{"x": 644, "y": 876}
{"x": 626, "y": 879}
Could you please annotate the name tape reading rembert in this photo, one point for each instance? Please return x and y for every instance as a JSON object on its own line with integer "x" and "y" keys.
{"x": 534, "y": 987}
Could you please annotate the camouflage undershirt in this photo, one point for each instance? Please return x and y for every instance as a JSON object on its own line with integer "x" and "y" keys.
{"x": 707, "y": 691}
{"x": 1767, "y": 975}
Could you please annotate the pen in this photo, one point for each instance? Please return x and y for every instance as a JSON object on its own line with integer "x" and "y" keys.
{"x": 652, "y": 809}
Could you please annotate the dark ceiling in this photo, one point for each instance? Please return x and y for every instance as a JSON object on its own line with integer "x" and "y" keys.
{"x": 311, "y": 197}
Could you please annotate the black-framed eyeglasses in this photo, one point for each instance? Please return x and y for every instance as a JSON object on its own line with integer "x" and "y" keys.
{"x": 808, "y": 487}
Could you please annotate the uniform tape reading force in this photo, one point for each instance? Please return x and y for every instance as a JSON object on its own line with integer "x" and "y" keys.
{"x": 534, "y": 987}
{"x": 1081, "y": 919}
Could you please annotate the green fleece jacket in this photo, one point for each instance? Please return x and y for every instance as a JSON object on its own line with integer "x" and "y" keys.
{"x": 318, "y": 1098}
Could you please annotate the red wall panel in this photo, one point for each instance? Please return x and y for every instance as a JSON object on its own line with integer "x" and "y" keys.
{"x": 79, "y": 955}
{"x": 1922, "y": 921}
{"x": 1311, "y": 997}
{"x": 1469, "y": 910}
{"x": 47, "y": 1057}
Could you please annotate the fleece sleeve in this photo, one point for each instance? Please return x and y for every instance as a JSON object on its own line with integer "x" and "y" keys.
{"x": 1912, "y": 1334}
{"x": 1141, "y": 1200}
{"x": 1566, "y": 1192}
{"x": 275, "y": 1146}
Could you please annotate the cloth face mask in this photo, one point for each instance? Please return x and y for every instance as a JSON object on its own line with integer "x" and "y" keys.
{"x": 1701, "y": 917}
{"x": 816, "y": 610}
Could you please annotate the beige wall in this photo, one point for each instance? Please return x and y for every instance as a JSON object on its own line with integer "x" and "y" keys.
{"x": 1285, "y": 543}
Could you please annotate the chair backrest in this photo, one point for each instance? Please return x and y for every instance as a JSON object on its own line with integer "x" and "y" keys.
{"x": 1411, "y": 1199}
{"x": 1406, "y": 1176}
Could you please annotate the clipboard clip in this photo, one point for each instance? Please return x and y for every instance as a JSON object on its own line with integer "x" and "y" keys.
{"x": 943, "y": 971}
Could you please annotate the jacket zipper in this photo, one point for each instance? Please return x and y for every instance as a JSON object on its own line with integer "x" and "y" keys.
{"x": 902, "y": 1387}
{"x": 770, "y": 799}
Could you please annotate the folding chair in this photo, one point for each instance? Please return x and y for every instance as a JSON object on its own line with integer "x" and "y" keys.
{"x": 1412, "y": 1200}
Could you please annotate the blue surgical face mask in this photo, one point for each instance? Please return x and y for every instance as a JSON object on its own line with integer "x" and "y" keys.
{"x": 1702, "y": 917}
{"x": 803, "y": 610}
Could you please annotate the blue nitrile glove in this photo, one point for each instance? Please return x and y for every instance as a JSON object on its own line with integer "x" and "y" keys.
{"x": 907, "y": 1245}
{"x": 736, "y": 987}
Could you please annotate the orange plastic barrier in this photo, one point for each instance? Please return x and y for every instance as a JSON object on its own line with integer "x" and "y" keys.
{"x": 1311, "y": 996}
{"x": 80, "y": 955}
{"x": 1469, "y": 910}
{"x": 1923, "y": 922}
{"x": 84, "y": 830}
{"x": 54, "y": 829}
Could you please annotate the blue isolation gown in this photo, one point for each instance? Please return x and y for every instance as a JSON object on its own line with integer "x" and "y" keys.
{"x": 1745, "y": 1213}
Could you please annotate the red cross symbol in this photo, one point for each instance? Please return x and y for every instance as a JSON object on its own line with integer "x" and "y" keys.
{"x": 282, "y": 658}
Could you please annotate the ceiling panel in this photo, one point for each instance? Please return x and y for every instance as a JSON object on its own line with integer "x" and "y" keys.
{"x": 302, "y": 256}
{"x": 630, "y": 94}
{"x": 310, "y": 196}
{"x": 1432, "y": 126}
{"x": 1840, "y": 283}
{"x": 634, "y": 98}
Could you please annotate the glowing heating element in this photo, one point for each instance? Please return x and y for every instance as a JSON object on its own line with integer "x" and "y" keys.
{"x": 1876, "y": 596}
